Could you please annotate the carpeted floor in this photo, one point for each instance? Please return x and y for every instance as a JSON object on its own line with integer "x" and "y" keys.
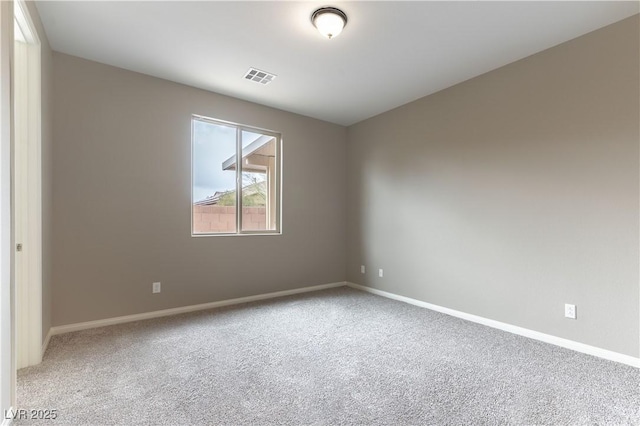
{"x": 332, "y": 357}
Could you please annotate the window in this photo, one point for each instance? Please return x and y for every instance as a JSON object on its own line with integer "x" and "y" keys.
{"x": 231, "y": 196}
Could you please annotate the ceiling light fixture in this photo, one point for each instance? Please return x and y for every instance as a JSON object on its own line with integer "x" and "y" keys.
{"x": 329, "y": 21}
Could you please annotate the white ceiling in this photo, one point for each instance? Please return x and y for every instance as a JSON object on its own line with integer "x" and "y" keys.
{"x": 390, "y": 53}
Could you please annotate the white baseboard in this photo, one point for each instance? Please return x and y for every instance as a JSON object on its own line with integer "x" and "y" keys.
{"x": 547, "y": 338}
{"x": 184, "y": 309}
{"x": 45, "y": 344}
{"x": 536, "y": 335}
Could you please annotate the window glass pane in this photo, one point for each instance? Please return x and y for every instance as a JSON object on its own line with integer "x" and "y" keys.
{"x": 259, "y": 199}
{"x": 214, "y": 178}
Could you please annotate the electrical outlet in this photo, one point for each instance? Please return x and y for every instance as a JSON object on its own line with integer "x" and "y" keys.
{"x": 155, "y": 288}
{"x": 570, "y": 311}
{"x": 380, "y": 273}
{"x": 362, "y": 269}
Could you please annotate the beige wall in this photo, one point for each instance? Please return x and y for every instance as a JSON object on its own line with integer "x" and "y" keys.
{"x": 518, "y": 192}
{"x": 46, "y": 117}
{"x": 122, "y": 150}
{"x": 505, "y": 196}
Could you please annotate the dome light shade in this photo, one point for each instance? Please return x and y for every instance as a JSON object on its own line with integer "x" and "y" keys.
{"x": 329, "y": 21}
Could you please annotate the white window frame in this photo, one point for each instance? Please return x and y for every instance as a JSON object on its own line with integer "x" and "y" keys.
{"x": 277, "y": 184}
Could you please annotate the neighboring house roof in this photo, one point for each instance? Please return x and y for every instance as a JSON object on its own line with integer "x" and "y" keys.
{"x": 249, "y": 190}
{"x": 212, "y": 200}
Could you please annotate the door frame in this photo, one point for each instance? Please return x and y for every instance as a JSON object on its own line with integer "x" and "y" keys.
{"x": 27, "y": 190}
{"x": 7, "y": 293}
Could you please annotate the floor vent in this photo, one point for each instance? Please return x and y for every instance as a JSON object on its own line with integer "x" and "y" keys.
{"x": 259, "y": 76}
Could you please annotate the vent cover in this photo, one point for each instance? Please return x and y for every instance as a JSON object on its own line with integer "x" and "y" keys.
{"x": 259, "y": 76}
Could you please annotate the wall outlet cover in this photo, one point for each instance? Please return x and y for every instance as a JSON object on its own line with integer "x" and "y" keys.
{"x": 156, "y": 287}
{"x": 570, "y": 311}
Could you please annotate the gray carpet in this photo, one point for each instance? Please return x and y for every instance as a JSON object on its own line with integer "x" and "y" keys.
{"x": 333, "y": 357}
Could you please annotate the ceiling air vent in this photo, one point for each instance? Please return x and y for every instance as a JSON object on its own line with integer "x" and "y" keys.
{"x": 259, "y": 76}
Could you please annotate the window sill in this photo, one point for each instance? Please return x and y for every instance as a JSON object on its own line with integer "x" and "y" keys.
{"x": 256, "y": 234}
